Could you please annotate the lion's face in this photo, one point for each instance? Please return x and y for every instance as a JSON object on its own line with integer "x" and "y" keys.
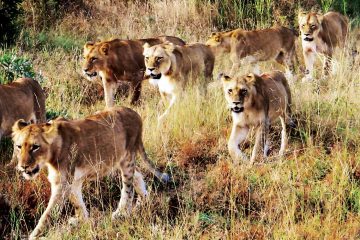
{"x": 32, "y": 147}
{"x": 95, "y": 58}
{"x": 238, "y": 91}
{"x": 215, "y": 40}
{"x": 310, "y": 25}
{"x": 158, "y": 59}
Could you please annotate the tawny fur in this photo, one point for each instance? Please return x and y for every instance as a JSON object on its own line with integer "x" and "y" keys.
{"x": 277, "y": 43}
{"x": 171, "y": 67}
{"x": 119, "y": 60}
{"x": 21, "y": 99}
{"x": 321, "y": 34}
{"x": 77, "y": 150}
{"x": 256, "y": 101}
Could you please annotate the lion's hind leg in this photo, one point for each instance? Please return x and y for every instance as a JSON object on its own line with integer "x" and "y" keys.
{"x": 127, "y": 167}
{"x": 77, "y": 201}
{"x": 283, "y": 136}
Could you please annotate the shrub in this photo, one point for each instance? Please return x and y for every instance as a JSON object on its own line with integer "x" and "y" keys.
{"x": 12, "y": 67}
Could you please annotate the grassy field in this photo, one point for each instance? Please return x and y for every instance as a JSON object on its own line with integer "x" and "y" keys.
{"x": 312, "y": 193}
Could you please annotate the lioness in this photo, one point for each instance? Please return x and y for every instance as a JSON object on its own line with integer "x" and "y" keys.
{"x": 119, "y": 60}
{"x": 23, "y": 98}
{"x": 86, "y": 149}
{"x": 256, "y": 101}
{"x": 170, "y": 67}
{"x": 276, "y": 43}
{"x": 321, "y": 34}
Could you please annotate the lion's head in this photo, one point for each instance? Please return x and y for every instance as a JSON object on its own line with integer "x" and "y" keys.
{"x": 95, "y": 58}
{"x": 239, "y": 91}
{"x": 310, "y": 25}
{"x": 158, "y": 59}
{"x": 34, "y": 144}
{"x": 219, "y": 42}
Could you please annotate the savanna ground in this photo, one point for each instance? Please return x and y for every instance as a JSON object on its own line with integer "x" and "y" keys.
{"x": 312, "y": 193}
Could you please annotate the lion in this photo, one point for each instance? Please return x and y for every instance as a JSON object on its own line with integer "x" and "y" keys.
{"x": 23, "y": 98}
{"x": 276, "y": 43}
{"x": 119, "y": 60}
{"x": 77, "y": 150}
{"x": 171, "y": 67}
{"x": 321, "y": 34}
{"x": 256, "y": 101}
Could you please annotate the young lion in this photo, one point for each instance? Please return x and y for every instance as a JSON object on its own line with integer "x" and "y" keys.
{"x": 119, "y": 60}
{"x": 77, "y": 150}
{"x": 170, "y": 67}
{"x": 256, "y": 101}
{"x": 321, "y": 34}
{"x": 23, "y": 98}
{"x": 276, "y": 43}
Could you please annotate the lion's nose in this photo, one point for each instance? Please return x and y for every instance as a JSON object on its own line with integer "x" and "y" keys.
{"x": 151, "y": 69}
{"x": 85, "y": 69}
{"x": 236, "y": 103}
{"x": 307, "y": 34}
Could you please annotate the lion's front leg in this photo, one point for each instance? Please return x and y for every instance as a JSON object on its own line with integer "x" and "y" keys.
{"x": 58, "y": 192}
{"x": 258, "y": 138}
{"x": 238, "y": 136}
{"x": 109, "y": 90}
{"x": 309, "y": 57}
{"x": 77, "y": 201}
{"x": 173, "y": 99}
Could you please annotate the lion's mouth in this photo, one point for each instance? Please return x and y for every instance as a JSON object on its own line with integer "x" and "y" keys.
{"x": 155, "y": 76}
{"x": 32, "y": 172}
{"x": 237, "y": 109}
{"x": 308, "y": 39}
{"x": 91, "y": 74}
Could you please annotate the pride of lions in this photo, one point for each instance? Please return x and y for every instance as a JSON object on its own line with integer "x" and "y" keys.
{"x": 77, "y": 150}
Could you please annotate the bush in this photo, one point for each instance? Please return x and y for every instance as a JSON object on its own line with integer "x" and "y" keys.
{"x": 12, "y": 67}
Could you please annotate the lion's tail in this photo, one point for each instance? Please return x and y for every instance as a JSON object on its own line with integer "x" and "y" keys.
{"x": 163, "y": 177}
{"x": 39, "y": 100}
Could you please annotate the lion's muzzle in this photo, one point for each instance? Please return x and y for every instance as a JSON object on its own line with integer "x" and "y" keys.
{"x": 237, "y": 109}
{"x": 28, "y": 172}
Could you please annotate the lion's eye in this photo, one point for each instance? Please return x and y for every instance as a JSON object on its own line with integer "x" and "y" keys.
{"x": 303, "y": 25}
{"x": 158, "y": 59}
{"x": 230, "y": 91}
{"x": 313, "y": 26}
{"x": 244, "y": 92}
{"x": 93, "y": 59}
{"x": 35, "y": 147}
{"x": 18, "y": 146}
{"x": 146, "y": 58}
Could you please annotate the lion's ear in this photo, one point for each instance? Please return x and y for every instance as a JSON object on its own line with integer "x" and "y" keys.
{"x": 53, "y": 128}
{"x": 19, "y": 124}
{"x": 88, "y": 46}
{"x": 223, "y": 77}
{"x": 320, "y": 17}
{"x": 250, "y": 78}
{"x": 146, "y": 45}
{"x": 301, "y": 13}
{"x": 104, "y": 48}
{"x": 169, "y": 47}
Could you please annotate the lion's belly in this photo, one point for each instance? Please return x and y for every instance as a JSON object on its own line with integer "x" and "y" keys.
{"x": 166, "y": 85}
